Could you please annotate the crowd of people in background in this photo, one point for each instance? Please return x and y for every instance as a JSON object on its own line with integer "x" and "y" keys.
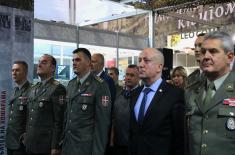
{"x": 145, "y": 115}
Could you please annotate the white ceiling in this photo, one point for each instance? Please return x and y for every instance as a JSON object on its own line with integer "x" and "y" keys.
{"x": 86, "y": 10}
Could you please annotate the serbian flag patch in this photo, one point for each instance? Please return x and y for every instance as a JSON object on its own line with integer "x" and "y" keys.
{"x": 105, "y": 100}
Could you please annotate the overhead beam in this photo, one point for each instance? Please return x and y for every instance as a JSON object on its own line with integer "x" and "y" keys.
{"x": 176, "y": 7}
{"x": 114, "y": 17}
{"x": 127, "y": 1}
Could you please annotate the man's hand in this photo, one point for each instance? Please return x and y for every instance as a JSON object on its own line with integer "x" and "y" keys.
{"x": 22, "y": 138}
{"x": 55, "y": 152}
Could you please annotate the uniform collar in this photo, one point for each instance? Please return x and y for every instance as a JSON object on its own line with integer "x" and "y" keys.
{"x": 218, "y": 82}
{"x": 81, "y": 80}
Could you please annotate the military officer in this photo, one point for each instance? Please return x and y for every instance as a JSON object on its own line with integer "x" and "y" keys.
{"x": 17, "y": 113}
{"x": 88, "y": 110}
{"x": 46, "y": 110}
{"x": 196, "y": 76}
{"x": 210, "y": 108}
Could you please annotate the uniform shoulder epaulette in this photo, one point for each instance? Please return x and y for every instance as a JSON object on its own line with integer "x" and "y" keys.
{"x": 55, "y": 82}
{"x": 99, "y": 79}
{"x": 192, "y": 85}
{"x": 72, "y": 80}
{"x": 34, "y": 84}
{"x": 194, "y": 76}
{"x": 31, "y": 85}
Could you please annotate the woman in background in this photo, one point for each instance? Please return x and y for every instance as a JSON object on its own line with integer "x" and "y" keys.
{"x": 179, "y": 77}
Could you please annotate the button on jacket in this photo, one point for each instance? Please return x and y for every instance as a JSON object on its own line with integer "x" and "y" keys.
{"x": 211, "y": 126}
{"x": 88, "y": 117}
{"x": 45, "y": 117}
{"x": 17, "y": 117}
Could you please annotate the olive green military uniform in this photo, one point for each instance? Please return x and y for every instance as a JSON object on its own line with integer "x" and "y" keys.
{"x": 45, "y": 117}
{"x": 194, "y": 78}
{"x": 17, "y": 117}
{"x": 88, "y": 117}
{"x": 211, "y": 126}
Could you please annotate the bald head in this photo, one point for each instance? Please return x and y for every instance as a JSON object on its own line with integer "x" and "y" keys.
{"x": 97, "y": 61}
{"x": 156, "y": 55}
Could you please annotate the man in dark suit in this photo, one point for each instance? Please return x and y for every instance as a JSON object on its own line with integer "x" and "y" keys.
{"x": 18, "y": 110}
{"x": 210, "y": 108}
{"x": 157, "y": 111}
{"x": 45, "y": 111}
{"x": 121, "y": 112}
{"x": 113, "y": 72}
{"x": 88, "y": 110}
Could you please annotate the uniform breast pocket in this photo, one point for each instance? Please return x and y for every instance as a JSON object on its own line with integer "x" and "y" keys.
{"x": 226, "y": 122}
{"x": 87, "y": 105}
{"x": 42, "y": 104}
{"x": 22, "y": 103}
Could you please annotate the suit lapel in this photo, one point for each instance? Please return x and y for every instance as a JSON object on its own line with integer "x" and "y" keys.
{"x": 43, "y": 89}
{"x": 199, "y": 96}
{"x": 22, "y": 90}
{"x": 134, "y": 97}
{"x": 14, "y": 96}
{"x": 226, "y": 90}
{"x": 156, "y": 99}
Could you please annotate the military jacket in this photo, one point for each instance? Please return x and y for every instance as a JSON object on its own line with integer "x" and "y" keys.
{"x": 211, "y": 128}
{"x": 17, "y": 115}
{"x": 45, "y": 117}
{"x": 88, "y": 117}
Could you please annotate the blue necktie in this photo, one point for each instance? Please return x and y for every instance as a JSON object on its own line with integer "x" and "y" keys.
{"x": 142, "y": 106}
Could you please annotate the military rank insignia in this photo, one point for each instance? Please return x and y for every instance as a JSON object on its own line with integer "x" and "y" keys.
{"x": 230, "y": 124}
{"x": 229, "y": 87}
{"x": 99, "y": 79}
{"x": 105, "y": 100}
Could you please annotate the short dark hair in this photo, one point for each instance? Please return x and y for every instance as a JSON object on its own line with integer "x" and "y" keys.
{"x": 23, "y": 63}
{"x": 115, "y": 69}
{"x": 53, "y": 60}
{"x": 201, "y": 34}
{"x": 133, "y": 66}
{"x": 85, "y": 51}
